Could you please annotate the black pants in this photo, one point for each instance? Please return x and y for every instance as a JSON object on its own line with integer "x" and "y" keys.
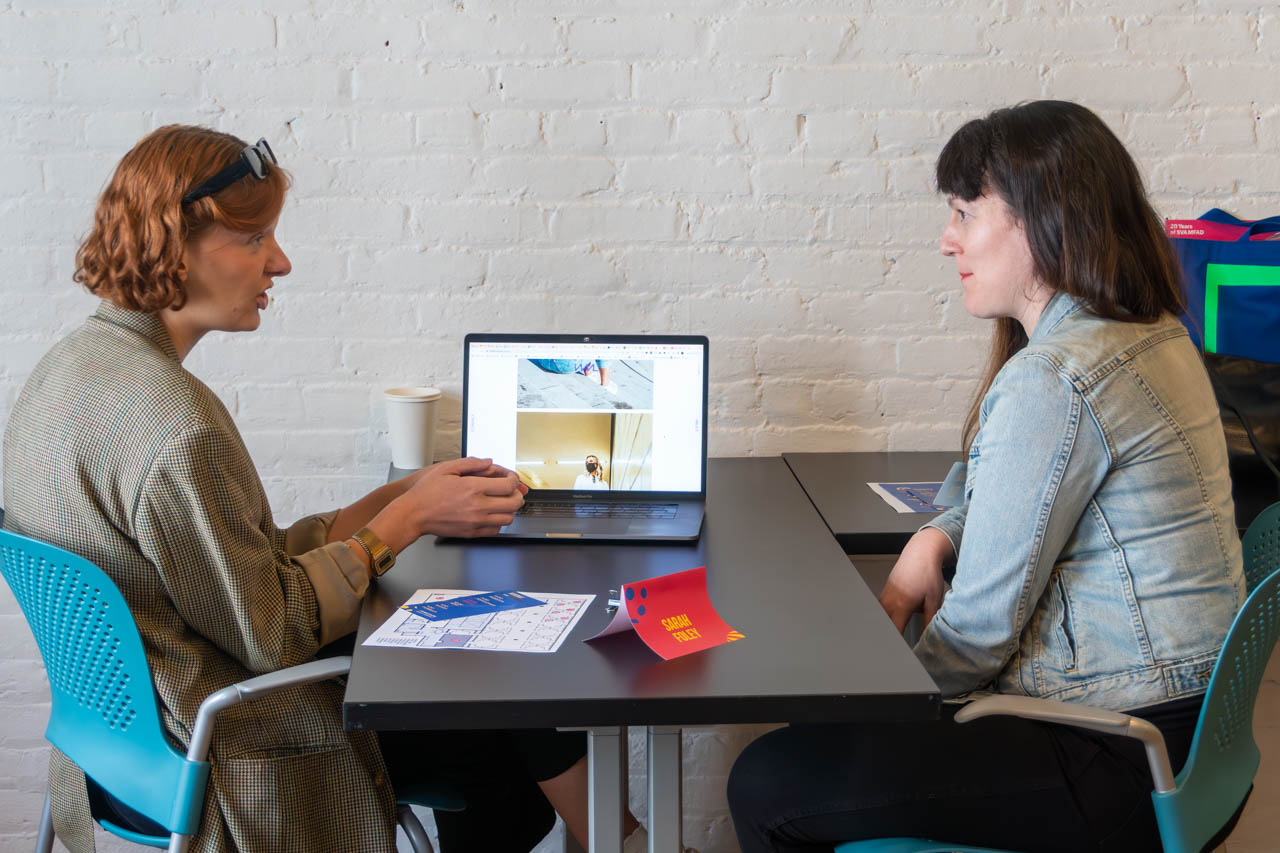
{"x": 497, "y": 774}
{"x": 996, "y": 782}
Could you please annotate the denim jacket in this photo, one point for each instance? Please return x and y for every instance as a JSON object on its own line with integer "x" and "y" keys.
{"x": 1097, "y": 554}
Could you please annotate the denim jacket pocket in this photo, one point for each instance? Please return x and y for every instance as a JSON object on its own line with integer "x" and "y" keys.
{"x": 1064, "y": 630}
{"x": 1189, "y": 677}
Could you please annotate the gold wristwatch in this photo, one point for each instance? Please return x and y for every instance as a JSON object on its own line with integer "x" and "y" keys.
{"x": 381, "y": 557}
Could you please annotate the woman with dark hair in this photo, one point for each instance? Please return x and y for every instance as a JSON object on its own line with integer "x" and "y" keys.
{"x": 1095, "y": 555}
{"x": 117, "y": 453}
{"x": 593, "y": 477}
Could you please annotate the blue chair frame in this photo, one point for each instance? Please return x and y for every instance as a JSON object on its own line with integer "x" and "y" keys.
{"x": 105, "y": 714}
{"x": 1194, "y": 807}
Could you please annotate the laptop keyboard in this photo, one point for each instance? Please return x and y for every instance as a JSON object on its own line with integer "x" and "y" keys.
{"x": 555, "y": 509}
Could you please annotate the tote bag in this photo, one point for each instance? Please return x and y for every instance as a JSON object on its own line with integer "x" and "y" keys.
{"x": 1232, "y": 277}
{"x": 1231, "y": 270}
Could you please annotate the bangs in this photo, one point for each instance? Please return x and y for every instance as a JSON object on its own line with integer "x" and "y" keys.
{"x": 965, "y": 164}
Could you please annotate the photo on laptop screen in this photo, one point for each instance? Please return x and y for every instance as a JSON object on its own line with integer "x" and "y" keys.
{"x": 589, "y": 413}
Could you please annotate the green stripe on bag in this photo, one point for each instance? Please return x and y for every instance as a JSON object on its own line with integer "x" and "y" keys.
{"x": 1230, "y": 275}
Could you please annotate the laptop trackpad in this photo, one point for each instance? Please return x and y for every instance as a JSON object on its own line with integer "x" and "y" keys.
{"x": 593, "y": 527}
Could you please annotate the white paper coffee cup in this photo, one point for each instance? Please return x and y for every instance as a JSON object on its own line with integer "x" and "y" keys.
{"x": 411, "y": 418}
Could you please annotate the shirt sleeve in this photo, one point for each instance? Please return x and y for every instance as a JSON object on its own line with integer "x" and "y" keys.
{"x": 269, "y": 600}
{"x": 1040, "y": 460}
{"x": 338, "y": 578}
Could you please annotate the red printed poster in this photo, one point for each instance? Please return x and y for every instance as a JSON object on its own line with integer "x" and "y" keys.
{"x": 672, "y": 614}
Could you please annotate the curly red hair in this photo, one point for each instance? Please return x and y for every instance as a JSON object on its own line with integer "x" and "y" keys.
{"x": 134, "y": 254}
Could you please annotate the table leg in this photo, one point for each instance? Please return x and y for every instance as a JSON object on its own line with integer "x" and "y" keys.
{"x": 665, "y": 816}
{"x": 607, "y": 799}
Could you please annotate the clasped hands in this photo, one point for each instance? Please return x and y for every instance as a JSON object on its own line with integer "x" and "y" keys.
{"x": 466, "y": 497}
{"x": 463, "y": 497}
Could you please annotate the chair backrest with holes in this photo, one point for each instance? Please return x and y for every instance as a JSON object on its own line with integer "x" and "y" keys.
{"x": 104, "y": 715}
{"x": 1261, "y": 546}
{"x": 1224, "y": 757}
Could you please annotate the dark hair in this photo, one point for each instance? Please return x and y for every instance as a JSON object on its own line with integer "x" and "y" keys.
{"x": 133, "y": 255}
{"x": 1078, "y": 195}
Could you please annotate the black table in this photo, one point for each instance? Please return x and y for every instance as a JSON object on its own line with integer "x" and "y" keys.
{"x": 864, "y": 524}
{"x": 818, "y": 647}
{"x": 859, "y": 518}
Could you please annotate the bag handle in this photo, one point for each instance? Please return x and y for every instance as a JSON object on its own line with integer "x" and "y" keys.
{"x": 1261, "y": 226}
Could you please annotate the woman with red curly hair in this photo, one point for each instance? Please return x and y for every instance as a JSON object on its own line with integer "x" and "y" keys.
{"x": 117, "y": 453}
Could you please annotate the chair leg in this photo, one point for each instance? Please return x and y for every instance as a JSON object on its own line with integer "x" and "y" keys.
{"x": 413, "y": 829}
{"x": 44, "y": 838}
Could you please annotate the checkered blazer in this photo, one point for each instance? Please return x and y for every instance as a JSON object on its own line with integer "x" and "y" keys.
{"x": 115, "y": 452}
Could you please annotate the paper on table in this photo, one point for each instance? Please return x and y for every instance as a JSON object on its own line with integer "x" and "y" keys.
{"x": 541, "y": 629}
{"x": 908, "y": 497}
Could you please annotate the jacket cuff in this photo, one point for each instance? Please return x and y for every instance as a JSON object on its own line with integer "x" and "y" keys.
{"x": 340, "y": 581}
{"x": 951, "y": 525}
{"x": 308, "y": 533}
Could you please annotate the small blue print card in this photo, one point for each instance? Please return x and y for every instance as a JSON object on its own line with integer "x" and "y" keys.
{"x": 471, "y": 605}
{"x": 909, "y": 497}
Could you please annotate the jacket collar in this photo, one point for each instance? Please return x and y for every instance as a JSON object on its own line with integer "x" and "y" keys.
{"x": 1059, "y": 306}
{"x": 148, "y": 326}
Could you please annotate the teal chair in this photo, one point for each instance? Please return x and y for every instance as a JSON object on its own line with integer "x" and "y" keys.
{"x": 104, "y": 713}
{"x": 1261, "y": 546}
{"x": 1193, "y": 809}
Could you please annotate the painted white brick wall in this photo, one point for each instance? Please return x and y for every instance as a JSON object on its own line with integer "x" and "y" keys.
{"x": 758, "y": 172}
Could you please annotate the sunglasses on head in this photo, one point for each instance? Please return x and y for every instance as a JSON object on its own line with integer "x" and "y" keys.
{"x": 253, "y": 160}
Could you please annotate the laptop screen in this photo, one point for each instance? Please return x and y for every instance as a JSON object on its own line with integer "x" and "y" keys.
{"x": 577, "y": 413}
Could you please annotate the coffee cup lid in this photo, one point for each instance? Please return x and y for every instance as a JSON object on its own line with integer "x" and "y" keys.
{"x": 412, "y": 393}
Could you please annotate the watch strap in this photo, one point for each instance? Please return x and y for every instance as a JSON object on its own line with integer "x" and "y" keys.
{"x": 381, "y": 557}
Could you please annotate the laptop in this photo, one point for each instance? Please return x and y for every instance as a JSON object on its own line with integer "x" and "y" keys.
{"x": 609, "y": 432}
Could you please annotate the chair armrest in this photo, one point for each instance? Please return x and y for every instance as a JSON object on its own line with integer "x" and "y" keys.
{"x": 256, "y": 688}
{"x": 1081, "y": 716}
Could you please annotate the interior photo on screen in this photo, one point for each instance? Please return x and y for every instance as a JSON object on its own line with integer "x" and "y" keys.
{"x": 585, "y": 383}
{"x": 585, "y": 451}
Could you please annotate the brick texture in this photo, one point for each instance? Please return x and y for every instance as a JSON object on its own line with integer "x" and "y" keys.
{"x": 758, "y": 172}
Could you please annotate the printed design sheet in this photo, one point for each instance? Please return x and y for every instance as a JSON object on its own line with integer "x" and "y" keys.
{"x": 529, "y": 629}
{"x": 909, "y": 497}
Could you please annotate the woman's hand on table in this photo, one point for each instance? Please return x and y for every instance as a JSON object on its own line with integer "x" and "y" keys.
{"x": 916, "y": 585}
